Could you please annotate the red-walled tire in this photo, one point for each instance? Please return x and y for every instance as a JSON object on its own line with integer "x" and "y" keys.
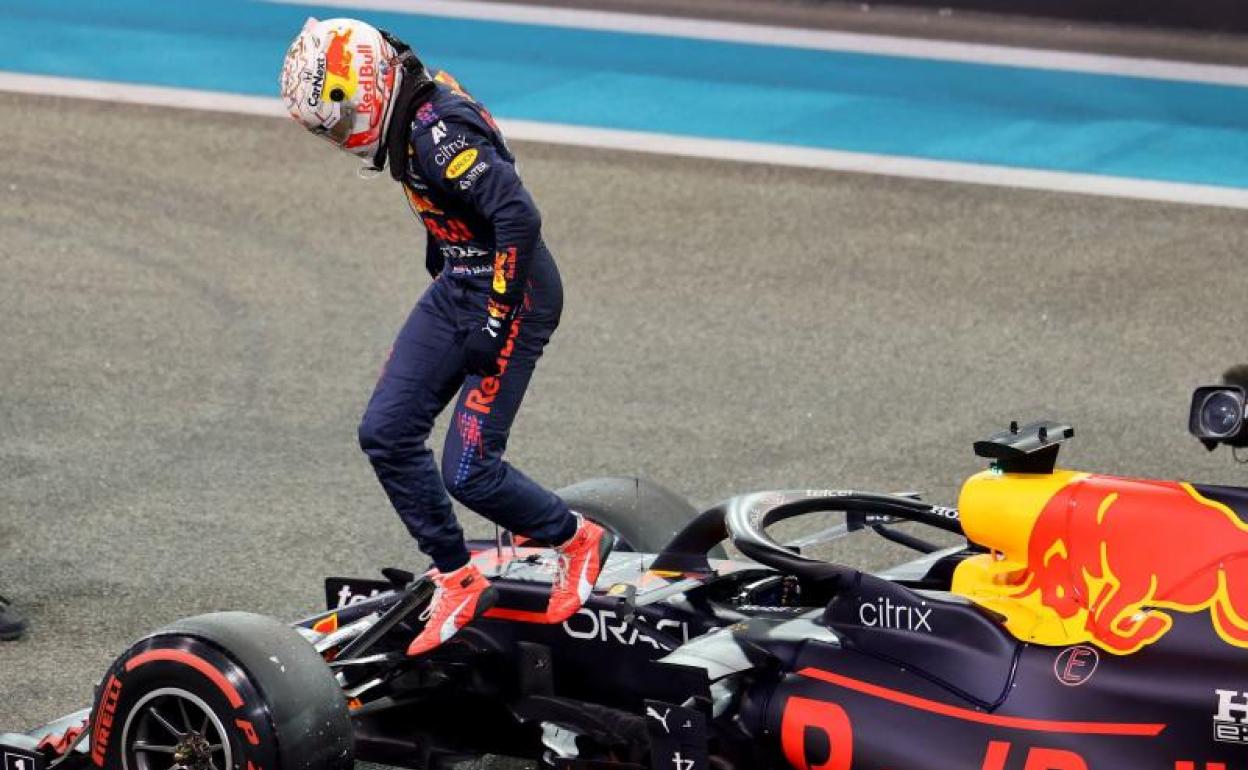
{"x": 224, "y": 691}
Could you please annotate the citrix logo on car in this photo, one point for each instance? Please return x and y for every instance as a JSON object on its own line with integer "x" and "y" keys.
{"x": 884, "y": 613}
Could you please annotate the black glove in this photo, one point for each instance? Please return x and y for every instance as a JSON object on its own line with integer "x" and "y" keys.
{"x": 433, "y": 256}
{"x": 484, "y": 343}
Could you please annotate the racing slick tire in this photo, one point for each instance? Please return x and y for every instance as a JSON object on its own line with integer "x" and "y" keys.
{"x": 644, "y": 516}
{"x": 226, "y": 690}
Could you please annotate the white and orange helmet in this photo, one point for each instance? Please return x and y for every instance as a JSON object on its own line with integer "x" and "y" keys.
{"x": 338, "y": 81}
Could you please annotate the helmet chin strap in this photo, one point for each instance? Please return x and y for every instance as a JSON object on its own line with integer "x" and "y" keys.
{"x": 413, "y": 83}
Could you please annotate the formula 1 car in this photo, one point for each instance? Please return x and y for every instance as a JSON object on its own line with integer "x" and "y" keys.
{"x": 1089, "y": 622}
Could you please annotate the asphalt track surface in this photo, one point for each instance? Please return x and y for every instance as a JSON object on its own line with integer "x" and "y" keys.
{"x": 194, "y": 308}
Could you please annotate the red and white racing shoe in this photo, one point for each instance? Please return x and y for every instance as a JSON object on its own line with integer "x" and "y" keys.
{"x": 580, "y": 562}
{"x": 460, "y": 598}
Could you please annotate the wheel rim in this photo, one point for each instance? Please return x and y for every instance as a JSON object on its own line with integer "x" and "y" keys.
{"x": 172, "y": 729}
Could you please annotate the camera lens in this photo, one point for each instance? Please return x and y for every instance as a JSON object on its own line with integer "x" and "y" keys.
{"x": 1220, "y": 414}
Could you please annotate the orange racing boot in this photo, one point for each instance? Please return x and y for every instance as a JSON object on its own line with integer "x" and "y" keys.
{"x": 580, "y": 562}
{"x": 460, "y": 598}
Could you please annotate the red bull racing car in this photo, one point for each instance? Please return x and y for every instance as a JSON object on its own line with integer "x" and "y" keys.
{"x": 1088, "y": 623}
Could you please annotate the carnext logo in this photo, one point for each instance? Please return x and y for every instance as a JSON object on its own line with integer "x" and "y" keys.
{"x": 1230, "y": 724}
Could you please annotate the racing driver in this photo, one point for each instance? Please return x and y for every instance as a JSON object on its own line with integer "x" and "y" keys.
{"x": 477, "y": 330}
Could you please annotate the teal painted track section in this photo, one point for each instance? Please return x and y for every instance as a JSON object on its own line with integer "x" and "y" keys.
{"x": 1009, "y": 116}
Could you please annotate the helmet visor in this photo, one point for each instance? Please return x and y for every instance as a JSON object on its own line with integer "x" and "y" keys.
{"x": 337, "y": 127}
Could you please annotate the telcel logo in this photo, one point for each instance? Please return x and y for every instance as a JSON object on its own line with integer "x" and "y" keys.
{"x": 1230, "y": 724}
{"x": 604, "y": 626}
{"x": 883, "y": 613}
{"x": 347, "y": 597}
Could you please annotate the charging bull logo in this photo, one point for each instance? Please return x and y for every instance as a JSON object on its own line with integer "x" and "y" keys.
{"x": 1121, "y": 554}
{"x": 421, "y": 203}
{"x": 338, "y": 65}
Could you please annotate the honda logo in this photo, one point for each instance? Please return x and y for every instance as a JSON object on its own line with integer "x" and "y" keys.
{"x": 1230, "y": 723}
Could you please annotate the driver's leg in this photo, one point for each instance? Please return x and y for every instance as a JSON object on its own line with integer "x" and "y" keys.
{"x": 476, "y": 474}
{"x": 418, "y": 380}
{"x": 473, "y": 467}
{"x": 423, "y": 373}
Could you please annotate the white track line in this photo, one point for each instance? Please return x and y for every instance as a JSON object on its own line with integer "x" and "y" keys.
{"x": 130, "y": 93}
{"x": 699, "y": 29}
{"x": 667, "y": 144}
{"x": 886, "y": 165}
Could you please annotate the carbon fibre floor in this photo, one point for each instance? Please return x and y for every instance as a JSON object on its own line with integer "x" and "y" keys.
{"x": 194, "y": 308}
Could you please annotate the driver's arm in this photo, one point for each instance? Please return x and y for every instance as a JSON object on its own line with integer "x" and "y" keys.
{"x": 476, "y": 174}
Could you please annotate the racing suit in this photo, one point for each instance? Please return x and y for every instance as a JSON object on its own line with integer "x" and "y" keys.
{"x": 493, "y": 274}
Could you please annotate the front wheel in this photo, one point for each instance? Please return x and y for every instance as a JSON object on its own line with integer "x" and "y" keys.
{"x": 224, "y": 691}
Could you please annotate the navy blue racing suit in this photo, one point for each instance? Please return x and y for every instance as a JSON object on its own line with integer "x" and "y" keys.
{"x": 485, "y": 245}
